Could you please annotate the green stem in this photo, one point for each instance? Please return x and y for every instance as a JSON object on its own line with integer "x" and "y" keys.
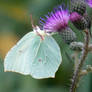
{"x": 76, "y": 77}
{"x": 76, "y": 59}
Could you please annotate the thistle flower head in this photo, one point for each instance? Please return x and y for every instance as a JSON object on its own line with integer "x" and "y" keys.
{"x": 80, "y": 22}
{"x": 56, "y": 21}
{"x": 75, "y": 16}
{"x": 89, "y": 2}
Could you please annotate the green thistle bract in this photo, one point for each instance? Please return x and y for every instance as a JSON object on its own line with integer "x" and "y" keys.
{"x": 68, "y": 35}
{"x": 78, "y": 6}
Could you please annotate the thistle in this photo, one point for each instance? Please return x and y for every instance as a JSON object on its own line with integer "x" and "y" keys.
{"x": 68, "y": 35}
{"x": 57, "y": 21}
{"x": 89, "y": 2}
{"x": 78, "y": 6}
{"x": 80, "y": 22}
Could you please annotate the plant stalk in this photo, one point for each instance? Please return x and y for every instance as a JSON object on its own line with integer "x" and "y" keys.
{"x": 76, "y": 76}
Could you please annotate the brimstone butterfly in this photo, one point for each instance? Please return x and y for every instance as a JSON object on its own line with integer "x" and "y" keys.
{"x": 36, "y": 54}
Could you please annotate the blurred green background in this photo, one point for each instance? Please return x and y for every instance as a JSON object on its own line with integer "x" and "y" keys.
{"x": 14, "y": 24}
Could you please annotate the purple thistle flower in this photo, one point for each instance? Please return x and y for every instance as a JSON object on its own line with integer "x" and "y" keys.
{"x": 75, "y": 16}
{"x": 89, "y": 2}
{"x": 56, "y": 21}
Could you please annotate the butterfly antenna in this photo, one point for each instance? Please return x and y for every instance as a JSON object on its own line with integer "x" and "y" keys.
{"x": 32, "y": 22}
{"x": 34, "y": 27}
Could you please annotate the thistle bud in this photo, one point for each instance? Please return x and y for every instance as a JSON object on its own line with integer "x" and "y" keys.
{"x": 68, "y": 35}
{"x": 80, "y": 22}
{"x": 88, "y": 20}
{"x": 78, "y": 6}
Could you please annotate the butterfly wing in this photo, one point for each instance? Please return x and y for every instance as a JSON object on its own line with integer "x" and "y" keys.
{"x": 47, "y": 60}
{"x": 34, "y": 56}
{"x": 19, "y": 57}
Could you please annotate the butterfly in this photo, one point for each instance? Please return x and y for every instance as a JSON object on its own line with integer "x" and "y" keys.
{"x": 36, "y": 54}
